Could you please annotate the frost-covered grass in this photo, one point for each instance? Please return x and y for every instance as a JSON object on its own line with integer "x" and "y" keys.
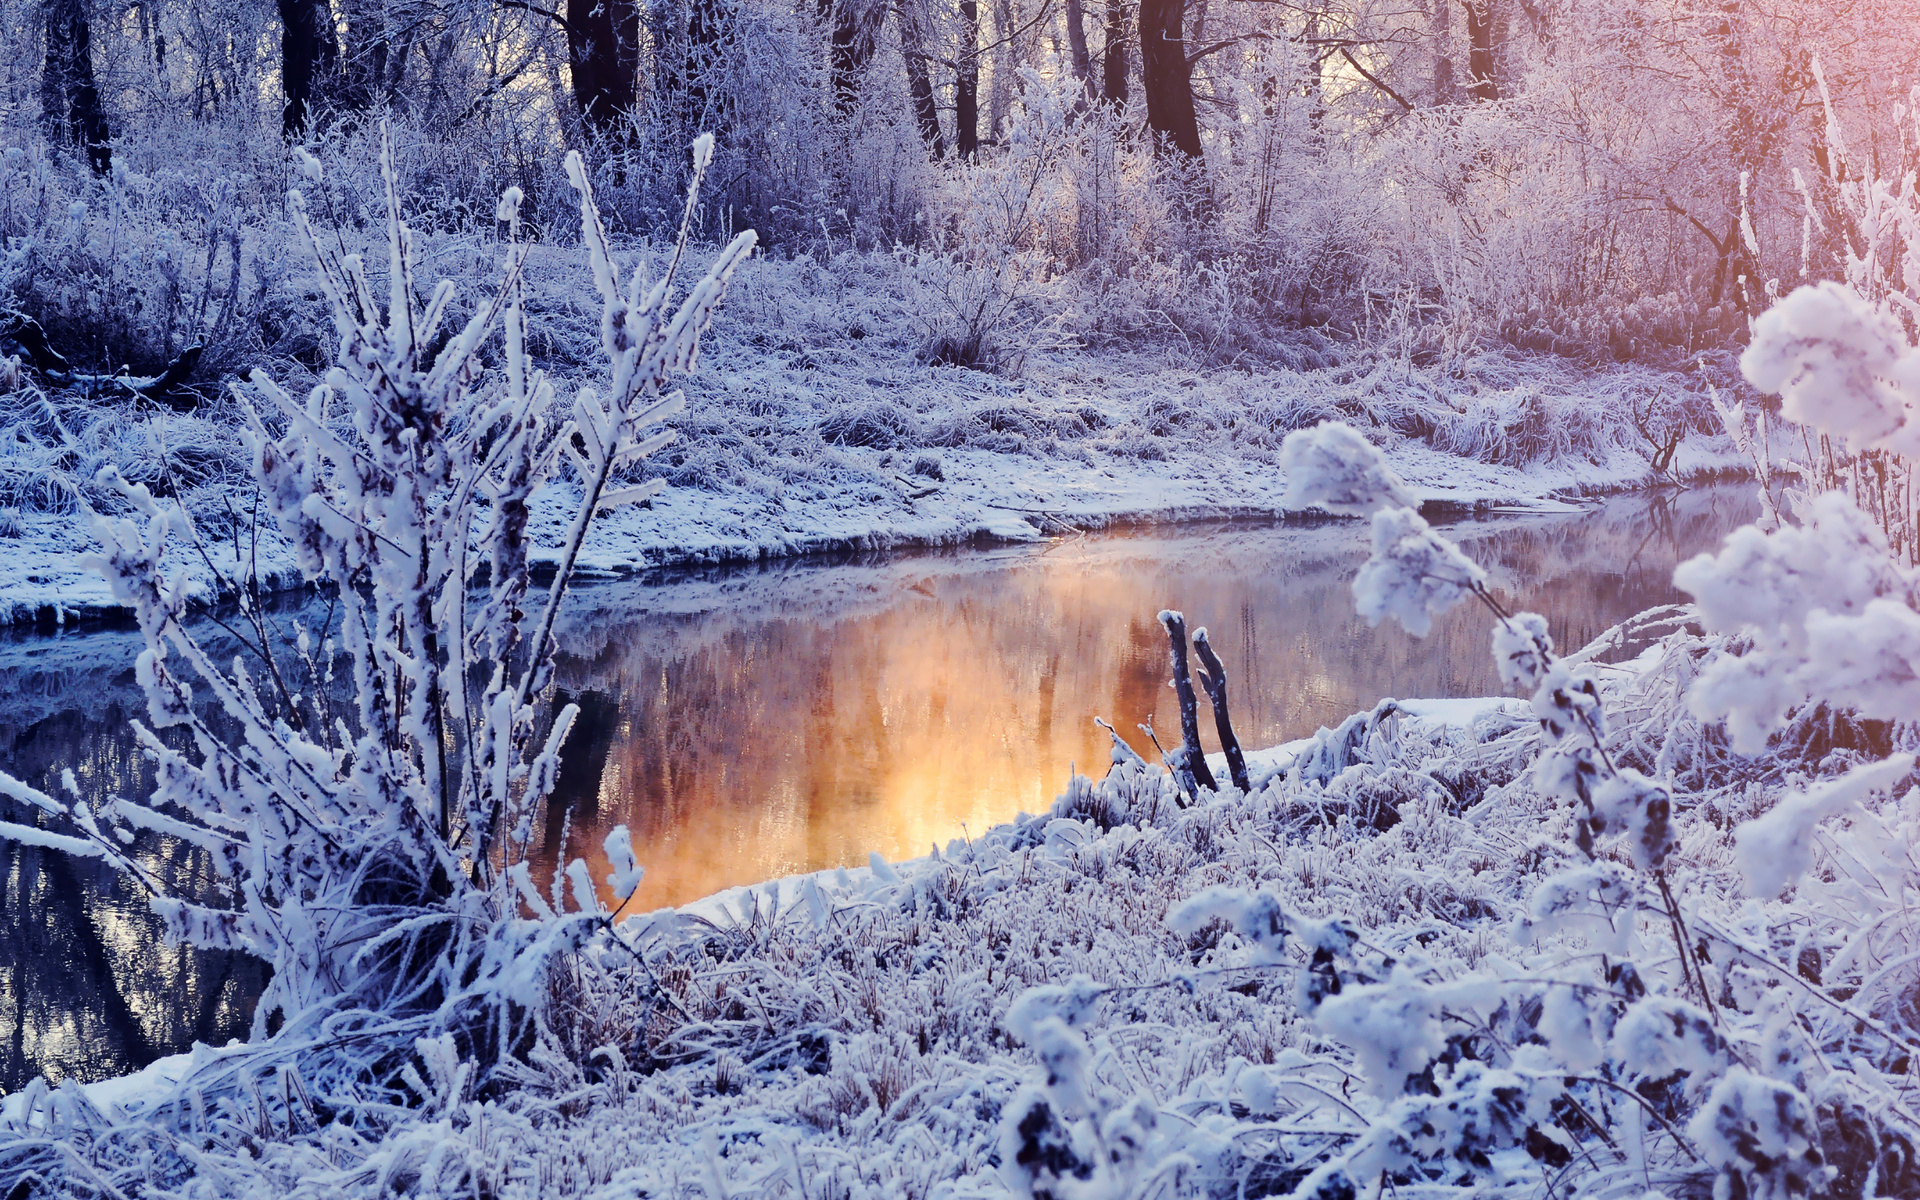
{"x": 1596, "y": 944}
{"x": 855, "y": 1033}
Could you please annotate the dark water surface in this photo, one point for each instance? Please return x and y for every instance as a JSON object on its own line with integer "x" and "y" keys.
{"x": 752, "y": 722}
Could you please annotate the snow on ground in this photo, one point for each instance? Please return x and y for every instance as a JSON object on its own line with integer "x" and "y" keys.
{"x": 812, "y": 424}
{"x": 826, "y": 496}
{"x": 870, "y": 1033}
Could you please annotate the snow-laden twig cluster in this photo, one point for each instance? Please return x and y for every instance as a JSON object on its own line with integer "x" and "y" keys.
{"x": 364, "y": 801}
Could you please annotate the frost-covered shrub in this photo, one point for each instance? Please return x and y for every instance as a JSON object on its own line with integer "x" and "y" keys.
{"x": 1686, "y": 1056}
{"x": 372, "y": 847}
{"x": 127, "y": 270}
{"x": 879, "y": 425}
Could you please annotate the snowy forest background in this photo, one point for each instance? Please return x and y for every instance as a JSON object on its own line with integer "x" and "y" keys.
{"x": 1432, "y": 177}
{"x": 1647, "y": 929}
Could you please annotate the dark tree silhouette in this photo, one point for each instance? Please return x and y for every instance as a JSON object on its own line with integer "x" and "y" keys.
{"x": 1480, "y": 50}
{"x": 308, "y": 57}
{"x": 373, "y": 61}
{"x": 851, "y": 23}
{"x": 1167, "y": 77}
{"x": 603, "y": 52}
{"x": 1077, "y": 47}
{"x": 1113, "y": 60}
{"x": 966, "y": 83}
{"x": 69, "y": 99}
{"x": 912, "y": 20}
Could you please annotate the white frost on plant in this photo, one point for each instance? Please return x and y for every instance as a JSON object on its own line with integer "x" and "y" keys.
{"x": 1659, "y": 1035}
{"x": 1522, "y": 650}
{"x": 1393, "y": 1029}
{"x": 1256, "y": 916}
{"x": 1259, "y": 919}
{"x": 1761, "y": 1134}
{"x": 1830, "y": 615}
{"x": 1777, "y": 848}
{"x": 1577, "y": 1023}
{"x": 1629, "y": 803}
{"x": 627, "y": 872}
{"x": 1839, "y": 364}
{"x": 367, "y": 850}
{"x": 1333, "y": 466}
{"x": 1073, "y": 1004}
{"x": 1414, "y": 574}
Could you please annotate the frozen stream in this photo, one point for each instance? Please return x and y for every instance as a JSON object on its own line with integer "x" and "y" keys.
{"x": 753, "y": 722}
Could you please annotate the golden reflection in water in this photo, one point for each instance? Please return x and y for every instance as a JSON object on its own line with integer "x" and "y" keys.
{"x": 906, "y": 702}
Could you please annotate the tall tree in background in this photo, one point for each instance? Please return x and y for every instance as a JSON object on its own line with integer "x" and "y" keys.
{"x": 69, "y": 100}
{"x": 709, "y": 38}
{"x": 853, "y": 24}
{"x": 966, "y": 83}
{"x": 1077, "y": 47}
{"x": 308, "y": 56}
{"x": 692, "y": 51}
{"x": 373, "y": 62}
{"x": 1167, "y": 77}
{"x": 1480, "y": 50}
{"x": 603, "y": 54}
{"x": 914, "y": 37}
{"x": 1113, "y": 59}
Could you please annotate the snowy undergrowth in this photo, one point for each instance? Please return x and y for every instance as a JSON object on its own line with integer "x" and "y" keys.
{"x": 816, "y": 427}
{"x": 1584, "y": 945}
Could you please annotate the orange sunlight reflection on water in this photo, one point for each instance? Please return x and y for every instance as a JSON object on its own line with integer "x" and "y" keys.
{"x": 796, "y": 717}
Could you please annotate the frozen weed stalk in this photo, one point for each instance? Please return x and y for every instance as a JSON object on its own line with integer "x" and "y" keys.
{"x": 374, "y": 852}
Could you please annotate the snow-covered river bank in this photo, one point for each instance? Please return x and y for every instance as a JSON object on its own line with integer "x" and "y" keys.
{"x": 758, "y": 721}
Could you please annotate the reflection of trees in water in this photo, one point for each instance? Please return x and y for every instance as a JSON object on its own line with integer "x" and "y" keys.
{"x": 88, "y": 987}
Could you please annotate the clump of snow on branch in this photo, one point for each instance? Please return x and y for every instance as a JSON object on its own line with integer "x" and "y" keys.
{"x": 627, "y": 872}
{"x": 1829, "y": 612}
{"x": 1777, "y": 848}
{"x": 1414, "y": 574}
{"x": 1334, "y": 467}
{"x": 1522, "y": 650}
{"x": 1839, "y": 364}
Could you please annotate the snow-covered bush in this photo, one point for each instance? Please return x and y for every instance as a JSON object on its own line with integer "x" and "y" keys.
{"x": 1822, "y": 616}
{"x": 364, "y": 796}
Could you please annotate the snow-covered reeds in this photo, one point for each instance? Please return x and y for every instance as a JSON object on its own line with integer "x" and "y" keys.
{"x": 57, "y": 443}
{"x": 365, "y": 799}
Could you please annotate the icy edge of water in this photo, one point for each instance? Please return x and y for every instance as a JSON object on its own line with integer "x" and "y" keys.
{"x": 986, "y": 496}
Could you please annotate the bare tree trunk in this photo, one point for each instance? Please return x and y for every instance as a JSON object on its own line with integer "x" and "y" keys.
{"x": 1008, "y": 56}
{"x": 709, "y": 29}
{"x": 1193, "y": 757}
{"x": 307, "y": 57}
{"x": 1480, "y": 50}
{"x": 966, "y": 84}
{"x": 853, "y": 45}
{"x": 1077, "y": 47}
{"x": 1113, "y": 60}
{"x": 1167, "y": 78}
{"x": 913, "y": 47}
{"x": 371, "y": 65}
{"x": 603, "y": 51}
{"x": 69, "y": 100}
